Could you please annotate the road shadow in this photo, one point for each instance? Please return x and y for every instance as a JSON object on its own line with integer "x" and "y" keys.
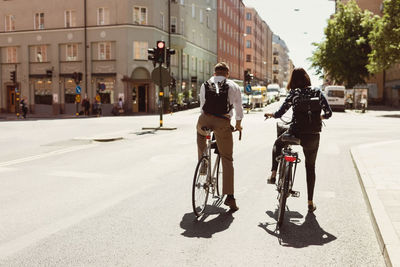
{"x": 296, "y": 235}
{"x": 202, "y": 227}
{"x": 391, "y": 116}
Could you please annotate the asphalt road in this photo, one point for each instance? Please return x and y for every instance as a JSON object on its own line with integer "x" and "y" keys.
{"x": 68, "y": 201}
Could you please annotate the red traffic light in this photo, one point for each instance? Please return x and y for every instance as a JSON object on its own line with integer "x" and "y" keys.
{"x": 160, "y": 44}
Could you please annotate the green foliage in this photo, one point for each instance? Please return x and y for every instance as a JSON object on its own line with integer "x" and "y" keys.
{"x": 343, "y": 55}
{"x": 385, "y": 38}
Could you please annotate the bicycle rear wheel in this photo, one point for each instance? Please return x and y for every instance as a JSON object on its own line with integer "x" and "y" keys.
{"x": 218, "y": 175}
{"x": 284, "y": 192}
{"x": 200, "y": 186}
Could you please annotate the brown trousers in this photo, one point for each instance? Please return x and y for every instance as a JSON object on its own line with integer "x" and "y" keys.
{"x": 223, "y": 135}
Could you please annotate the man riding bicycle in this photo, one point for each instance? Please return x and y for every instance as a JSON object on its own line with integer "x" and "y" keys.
{"x": 217, "y": 98}
{"x": 306, "y": 125}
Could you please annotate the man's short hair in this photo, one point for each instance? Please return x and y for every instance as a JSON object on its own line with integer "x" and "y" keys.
{"x": 221, "y": 67}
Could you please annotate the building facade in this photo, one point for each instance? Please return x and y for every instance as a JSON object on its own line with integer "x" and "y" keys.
{"x": 257, "y": 47}
{"x": 230, "y": 35}
{"x": 281, "y": 63}
{"x": 46, "y": 41}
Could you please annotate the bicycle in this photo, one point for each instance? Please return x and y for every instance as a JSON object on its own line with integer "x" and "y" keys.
{"x": 207, "y": 178}
{"x": 287, "y": 165}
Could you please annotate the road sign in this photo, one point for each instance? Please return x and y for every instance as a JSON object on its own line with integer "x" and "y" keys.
{"x": 78, "y": 89}
{"x": 247, "y": 89}
{"x": 98, "y": 98}
{"x": 77, "y": 98}
{"x": 165, "y": 77}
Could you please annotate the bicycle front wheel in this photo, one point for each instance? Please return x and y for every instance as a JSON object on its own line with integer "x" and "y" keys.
{"x": 284, "y": 192}
{"x": 200, "y": 186}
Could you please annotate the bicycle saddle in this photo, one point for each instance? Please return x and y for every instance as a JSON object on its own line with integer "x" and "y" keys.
{"x": 290, "y": 139}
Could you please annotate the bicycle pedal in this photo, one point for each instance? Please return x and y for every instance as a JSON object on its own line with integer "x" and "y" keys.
{"x": 295, "y": 193}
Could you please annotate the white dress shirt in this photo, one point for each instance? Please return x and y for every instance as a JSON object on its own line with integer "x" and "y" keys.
{"x": 234, "y": 96}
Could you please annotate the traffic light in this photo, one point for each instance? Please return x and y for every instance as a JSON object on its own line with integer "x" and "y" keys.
{"x": 151, "y": 55}
{"x": 247, "y": 76}
{"x": 170, "y": 52}
{"x": 13, "y": 76}
{"x": 77, "y": 76}
{"x": 160, "y": 52}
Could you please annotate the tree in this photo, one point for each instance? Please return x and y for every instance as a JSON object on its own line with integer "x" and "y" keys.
{"x": 385, "y": 38}
{"x": 343, "y": 55}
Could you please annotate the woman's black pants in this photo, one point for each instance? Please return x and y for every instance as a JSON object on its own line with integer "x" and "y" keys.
{"x": 310, "y": 144}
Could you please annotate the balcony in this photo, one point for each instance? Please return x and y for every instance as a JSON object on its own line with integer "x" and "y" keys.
{"x": 276, "y": 53}
{"x": 275, "y": 71}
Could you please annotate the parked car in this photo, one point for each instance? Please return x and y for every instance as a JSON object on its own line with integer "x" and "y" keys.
{"x": 273, "y": 92}
{"x": 335, "y": 95}
{"x": 283, "y": 92}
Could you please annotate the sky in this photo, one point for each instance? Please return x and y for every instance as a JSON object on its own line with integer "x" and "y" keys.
{"x": 299, "y": 29}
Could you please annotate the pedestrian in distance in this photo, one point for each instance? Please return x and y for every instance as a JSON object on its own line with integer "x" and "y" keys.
{"x": 23, "y": 107}
{"x": 306, "y": 125}
{"x": 86, "y": 106}
{"x": 120, "y": 106}
{"x": 218, "y": 96}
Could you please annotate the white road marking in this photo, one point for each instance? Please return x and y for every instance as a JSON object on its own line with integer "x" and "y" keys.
{"x": 45, "y": 155}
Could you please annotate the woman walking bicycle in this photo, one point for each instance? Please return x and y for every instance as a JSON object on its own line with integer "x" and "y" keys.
{"x": 306, "y": 125}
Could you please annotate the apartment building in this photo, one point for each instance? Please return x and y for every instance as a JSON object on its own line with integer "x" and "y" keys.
{"x": 46, "y": 41}
{"x": 230, "y": 35}
{"x": 258, "y": 47}
{"x": 281, "y": 63}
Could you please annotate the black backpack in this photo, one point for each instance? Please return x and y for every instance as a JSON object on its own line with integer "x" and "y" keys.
{"x": 307, "y": 112}
{"x": 217, "y": 103}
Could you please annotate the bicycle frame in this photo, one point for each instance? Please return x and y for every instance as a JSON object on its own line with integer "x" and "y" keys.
{"x": 211, "y": 177}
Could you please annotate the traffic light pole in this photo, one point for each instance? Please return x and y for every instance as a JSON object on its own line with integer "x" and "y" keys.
{"x": 161, "y": 93}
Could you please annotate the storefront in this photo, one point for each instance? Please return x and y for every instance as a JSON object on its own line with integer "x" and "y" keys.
{"x": 104, "y": 86}
{"x": 42, "y": 94}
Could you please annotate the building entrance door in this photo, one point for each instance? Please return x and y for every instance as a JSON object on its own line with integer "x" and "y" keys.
{"x": 142, "y": 98}
{"x": 11, "y": 103}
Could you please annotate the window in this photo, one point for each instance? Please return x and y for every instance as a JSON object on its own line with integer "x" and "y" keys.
{"x": 103, "y": 16}
{"x": 182, "y": 26}
{"x": 194, "y": 60}
{"x": 72, "y": 52}
{"x": 162, "y": 20}
{"x": 248, "y": 58}
{"x": 185, "y": 61}
{"x": 201, "y": 66}
{"x": 9, "y": 23}
{"x": 173, "y": 25}
{"x": 140, "y": 15}
{"x": 248, "y": 16}
{"x": 39, "y": 21}
{"x": 182, "y": 2}
{"x": 11, "y": 54}
{"x": 248, "y": 30}
{"x": 208, "y": 21}
{"x": 174, "y": 60}
{"x": 248, "y": 44}
{"x": 70, "y": 18}
{"x": 140, "y": 50}
{"x": 105, "y": 51}
{"x": 201, "y": 16}
{"x": 193, "y": 11}
{"x": 41, "y": 53}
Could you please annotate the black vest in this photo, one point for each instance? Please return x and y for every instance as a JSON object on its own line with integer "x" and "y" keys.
{"x": 217, "y": 103}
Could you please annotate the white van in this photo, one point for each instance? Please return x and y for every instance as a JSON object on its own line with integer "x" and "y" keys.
{"x": 335, "y": 95}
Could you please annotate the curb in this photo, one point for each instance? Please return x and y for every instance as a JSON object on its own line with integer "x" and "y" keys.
{"x": 385, "y": 233}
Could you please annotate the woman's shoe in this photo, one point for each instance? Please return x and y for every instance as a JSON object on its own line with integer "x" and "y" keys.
{"x": 312, "y": 207}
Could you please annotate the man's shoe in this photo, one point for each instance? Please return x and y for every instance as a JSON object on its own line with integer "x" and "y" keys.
{"x": 231, "y": 202}
{"x": 312, "y": 207}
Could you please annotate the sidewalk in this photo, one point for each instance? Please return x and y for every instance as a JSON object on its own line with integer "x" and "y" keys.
{"x": 378, "y": 168}
{"x": 13, "y": 117}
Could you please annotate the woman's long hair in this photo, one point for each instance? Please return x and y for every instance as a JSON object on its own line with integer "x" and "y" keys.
{"x": 299, "y": 79}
